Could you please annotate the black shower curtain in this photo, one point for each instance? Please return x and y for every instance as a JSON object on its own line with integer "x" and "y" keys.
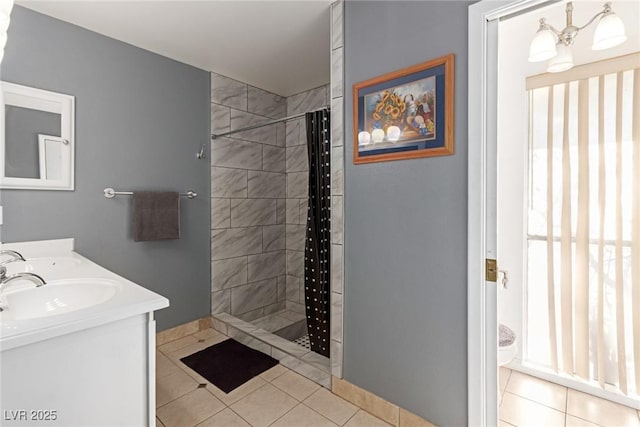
{"x": 317, "y": 253}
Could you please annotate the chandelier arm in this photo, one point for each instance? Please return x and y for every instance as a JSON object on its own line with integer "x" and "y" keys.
{"x": 551, "y": 27}
{"x": 591, "y": 20}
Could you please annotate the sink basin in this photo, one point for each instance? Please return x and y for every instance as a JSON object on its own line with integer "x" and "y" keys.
{"x": 57, "y": 298}
{"x": 43, "y": 266}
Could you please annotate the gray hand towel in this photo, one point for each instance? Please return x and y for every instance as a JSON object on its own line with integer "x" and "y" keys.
{"x": 156, "y": 215}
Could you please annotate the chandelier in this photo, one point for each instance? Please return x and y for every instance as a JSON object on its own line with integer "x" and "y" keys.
{"x": 551, "y": 44}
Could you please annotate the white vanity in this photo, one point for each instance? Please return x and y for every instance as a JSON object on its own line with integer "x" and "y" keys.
{"x": 78, "y": 351}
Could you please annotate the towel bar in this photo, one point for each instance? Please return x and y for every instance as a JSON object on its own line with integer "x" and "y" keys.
{"x": 110, "y": 193}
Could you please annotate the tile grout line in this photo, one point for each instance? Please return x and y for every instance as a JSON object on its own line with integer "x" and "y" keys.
{"x": 351, "y": 417}
{"x": 531, "y": 400}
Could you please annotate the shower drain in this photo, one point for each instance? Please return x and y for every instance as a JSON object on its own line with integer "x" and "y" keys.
{"x": 304, "y": 342}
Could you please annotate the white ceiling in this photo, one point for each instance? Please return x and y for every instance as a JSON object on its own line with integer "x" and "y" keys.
{"x": 280, "y": 46}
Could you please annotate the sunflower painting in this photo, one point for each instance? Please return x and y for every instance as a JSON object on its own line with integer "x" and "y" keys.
{"x": 410, "y": 107}
{"x": 405, "y": 114}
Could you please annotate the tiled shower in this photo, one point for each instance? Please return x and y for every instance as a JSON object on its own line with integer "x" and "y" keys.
{"x": 258, "y": 215}
{"x": 259, "y": 204}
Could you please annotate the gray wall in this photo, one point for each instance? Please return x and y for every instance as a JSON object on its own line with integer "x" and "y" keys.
{"x": 405, "y": 306}
{"x": 140, "y": 118}
{"x": 22, "y": 127}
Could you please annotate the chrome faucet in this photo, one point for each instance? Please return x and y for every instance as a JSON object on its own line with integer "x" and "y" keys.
{"x": 15, "y": 256}
{"x": 6, "y": 280}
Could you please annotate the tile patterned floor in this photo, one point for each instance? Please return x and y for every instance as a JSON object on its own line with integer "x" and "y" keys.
{"x": 278, "y": 397}
{"x": 529, "y": 401}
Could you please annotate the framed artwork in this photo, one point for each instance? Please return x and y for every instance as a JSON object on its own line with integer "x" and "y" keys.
{"x": 405, "y": 114}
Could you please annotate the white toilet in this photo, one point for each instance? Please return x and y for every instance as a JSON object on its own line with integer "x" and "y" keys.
{"x": 507, "y": 345}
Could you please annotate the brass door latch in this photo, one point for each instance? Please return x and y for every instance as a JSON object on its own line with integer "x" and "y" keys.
{"x": 491, "y": 270}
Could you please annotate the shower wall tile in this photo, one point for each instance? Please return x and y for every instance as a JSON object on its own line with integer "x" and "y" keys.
{"x": 273, "y": 239}
{"x": 228, "y": 182}
{"x": 281, "y": 134}
{"x": 297, "y": 159}
{"x": 248, "y": 212}
{"x": 266, "y": 266}
{"x": 295, "y": 263}
{"x": 281, "y": 211}
{"x": 266, "y": 184}
{"x": 293, "y": 289}
{"x": 336, "y": 220}
{"x": 233, "y": 153}
{"x": 293, "y": 211}
{"x": 297, "y": 185}
{"x": 248, "y": 193}
{"x": 228, "y": 273}
{"x": 336, "y": 73}
{"x": 337, "y": 268}
{"x": 293, "y": 133}
{"x": 336, "y": 358}
{"x": 220, "y": 213}
{"x": 336, "y": 25}
{"x": 229, "y": 92}
{"x": 302, "y": 297}
{"x": 282, "y": 288}
{"x": 221, "y": 302}
{"x": 307, "y": 101}
{"x": 273, "y": 158}
{"x": 317, "y": 361}
{"x": 235, "y": 242}
{"x": 256, "y": 295}
{"x": 264, "y": 134}
{"x": 266, "y": 103}
{"x": 296, "y": 237}
{"x": 336, "y": 316}
{"x": 219, "y": 325}
{"x": 337, "y": 180}
{"x": 252, "y": 315}
{"x": 295, "y": 307}
{"x": 337, "y": 122}
{"x": 220, "y": 118}
{"x": 272, "y": 308}
{"x": 304, "y": 208}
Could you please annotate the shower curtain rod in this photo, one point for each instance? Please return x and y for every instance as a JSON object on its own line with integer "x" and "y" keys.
{"x": 270, "y": 122}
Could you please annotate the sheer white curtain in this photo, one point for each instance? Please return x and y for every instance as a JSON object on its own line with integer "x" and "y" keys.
{"x": 584, "y": 223}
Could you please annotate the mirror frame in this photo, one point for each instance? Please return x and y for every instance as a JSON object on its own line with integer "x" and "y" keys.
{"x": 41, "y": 100}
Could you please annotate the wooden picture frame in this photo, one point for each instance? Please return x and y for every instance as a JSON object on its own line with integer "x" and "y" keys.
{"x": 405, "y": 114}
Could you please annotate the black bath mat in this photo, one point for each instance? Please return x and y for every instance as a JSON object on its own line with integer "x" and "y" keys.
{"x": 229, "y": 364}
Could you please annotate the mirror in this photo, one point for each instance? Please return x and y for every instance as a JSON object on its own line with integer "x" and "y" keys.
{"x": 37, "y": 150}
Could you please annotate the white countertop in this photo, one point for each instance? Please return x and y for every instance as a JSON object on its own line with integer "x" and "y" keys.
{"x": 130, "y": 299}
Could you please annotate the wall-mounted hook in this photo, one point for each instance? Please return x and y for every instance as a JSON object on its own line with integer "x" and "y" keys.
{"x": 200, "y": 154}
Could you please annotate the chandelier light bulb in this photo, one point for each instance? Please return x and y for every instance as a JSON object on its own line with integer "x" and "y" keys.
{"x": 609, "y": 33}
{"x": 563, "y": 61}
{"x": 543, "y": 45}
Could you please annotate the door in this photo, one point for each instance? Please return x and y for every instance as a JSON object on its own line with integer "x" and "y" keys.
{"x": 482, "y": 204}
